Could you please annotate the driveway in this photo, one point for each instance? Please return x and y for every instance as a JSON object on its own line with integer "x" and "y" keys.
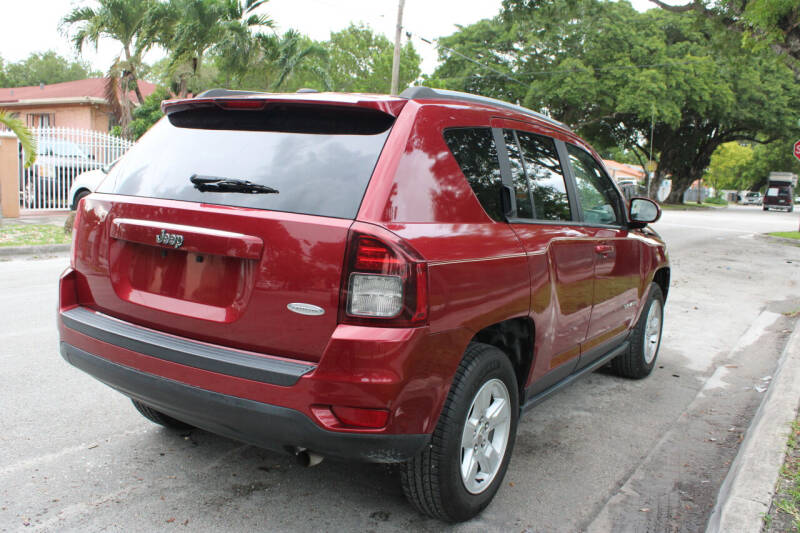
{"x": 604, "y": 454}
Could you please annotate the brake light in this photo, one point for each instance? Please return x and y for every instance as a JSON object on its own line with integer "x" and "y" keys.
{"x": 174, "y": 106}
{"x": 242, "y": 104}
{"x": 373, "y": 256}
{"x": 383, "y": 284}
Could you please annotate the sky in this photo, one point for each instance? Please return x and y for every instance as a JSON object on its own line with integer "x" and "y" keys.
{"x": 29, "y": 26}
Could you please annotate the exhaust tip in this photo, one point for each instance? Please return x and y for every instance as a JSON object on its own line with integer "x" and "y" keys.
{"x": 307, "y": 458}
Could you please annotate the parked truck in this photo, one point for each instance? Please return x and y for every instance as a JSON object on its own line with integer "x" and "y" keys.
{"x": 780, "y": 191}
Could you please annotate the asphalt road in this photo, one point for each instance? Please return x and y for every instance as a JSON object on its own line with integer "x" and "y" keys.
{"x": 606, "y": 454}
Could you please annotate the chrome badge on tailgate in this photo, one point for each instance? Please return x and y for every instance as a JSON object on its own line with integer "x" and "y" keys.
{"x": 169, "y": 239}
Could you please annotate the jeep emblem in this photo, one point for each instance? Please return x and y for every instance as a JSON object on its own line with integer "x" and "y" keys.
{"x": 169, "y": 239}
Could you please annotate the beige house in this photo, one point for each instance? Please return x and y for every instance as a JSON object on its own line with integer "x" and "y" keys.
{"x": 73, "y": 104}
{"x": 624, "y": 172}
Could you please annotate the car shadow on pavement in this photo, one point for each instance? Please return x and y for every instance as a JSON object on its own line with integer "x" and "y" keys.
{"x": 219, "y": 477}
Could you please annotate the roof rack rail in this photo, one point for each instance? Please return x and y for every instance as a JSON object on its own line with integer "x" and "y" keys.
{"x": 213, "y": 93}
{"x": 419, "y": 92}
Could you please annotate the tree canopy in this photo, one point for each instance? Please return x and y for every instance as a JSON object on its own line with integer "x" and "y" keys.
{"x": 125, "y": 21}
{"x": 43, "y": 67}
{"x": 361, "y": 61}
{"x": 771, "y": 23}
{"x": 355, "y": 59}
{"x": 726, "y": 166}
{"x": 191, "y": 29}
{"x": 610, "y": 72}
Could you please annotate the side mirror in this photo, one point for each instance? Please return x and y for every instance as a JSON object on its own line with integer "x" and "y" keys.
{"x": 643, "y": 211}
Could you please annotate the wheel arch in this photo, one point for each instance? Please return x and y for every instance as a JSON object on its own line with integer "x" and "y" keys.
{"x": 77, "y": 195}
{"x": 515, "y": 338}
{"x": 661, "y": 278}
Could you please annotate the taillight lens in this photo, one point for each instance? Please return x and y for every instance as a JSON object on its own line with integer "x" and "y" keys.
{"x": 374, "y": 256}
{"x": 379, "y": 296}
{"x": 73, "y": 255}
{"x": 384, "y": 284}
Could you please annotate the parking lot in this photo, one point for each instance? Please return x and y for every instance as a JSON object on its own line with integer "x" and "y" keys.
{"x": 604, "y": 454}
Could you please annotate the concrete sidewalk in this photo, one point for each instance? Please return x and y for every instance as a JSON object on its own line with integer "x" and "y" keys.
{"x": 53, "y": 218}
{"x": 746, "y": 494}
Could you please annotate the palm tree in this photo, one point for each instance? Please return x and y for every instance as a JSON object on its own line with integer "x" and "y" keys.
{"x": 125, "y": 21}
{"x": 291, "y": 52}
{"x": 116, "y": 86}
{"x": 189, "y": 29}
{"x": 24, "y": 135}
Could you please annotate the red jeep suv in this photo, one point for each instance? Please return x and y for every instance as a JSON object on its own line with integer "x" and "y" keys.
{"x": 380, "y": 278}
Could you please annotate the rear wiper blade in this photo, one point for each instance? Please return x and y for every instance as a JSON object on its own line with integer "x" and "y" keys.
{"x": 216, "y": 184}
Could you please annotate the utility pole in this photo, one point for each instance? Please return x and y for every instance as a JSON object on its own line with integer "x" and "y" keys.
{"x": 397, "y": 34}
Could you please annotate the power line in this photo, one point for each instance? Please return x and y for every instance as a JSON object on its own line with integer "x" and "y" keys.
{"x": 503, "y": 74}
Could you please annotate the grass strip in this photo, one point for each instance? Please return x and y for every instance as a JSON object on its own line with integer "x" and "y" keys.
{"x": 32, "y": 235}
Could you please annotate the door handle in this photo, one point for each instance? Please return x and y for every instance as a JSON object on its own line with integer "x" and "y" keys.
{"x": 604, "y": 249}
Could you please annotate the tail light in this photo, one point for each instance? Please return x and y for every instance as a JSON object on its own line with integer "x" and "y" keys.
{"x": 384, "y": 283}
{"x": 68, "y": 290}
{"x": 75, "y": 225}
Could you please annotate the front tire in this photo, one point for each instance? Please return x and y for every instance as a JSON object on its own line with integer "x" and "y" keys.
{"x": 458, "y": 474}
{"x": 83, "y": 193}
{"x": 640, "y": 358}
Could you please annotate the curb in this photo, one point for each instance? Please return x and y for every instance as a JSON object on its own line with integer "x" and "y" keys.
{"x": 9, "y": 251}
{"x": 746, "y": 494}
{"x": 784, "y": 240}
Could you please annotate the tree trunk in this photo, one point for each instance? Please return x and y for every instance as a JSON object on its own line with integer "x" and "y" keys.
{"x": 182, "y": 86}
{"x": 685, "y": 155}
{"x": 133, "y": 77}
{"x": 676, "y": 195}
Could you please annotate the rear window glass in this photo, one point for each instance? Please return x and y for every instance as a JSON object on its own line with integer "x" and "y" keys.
{"x": 476, "y": 154}
{"x": 320, "y": 163}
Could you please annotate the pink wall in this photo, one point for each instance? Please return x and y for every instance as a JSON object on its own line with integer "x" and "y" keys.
{"x": 82, "y": 116}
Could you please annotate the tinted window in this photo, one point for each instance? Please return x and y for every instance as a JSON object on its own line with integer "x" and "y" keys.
{"x": 547, "y": 184}
{"x": 596, "y": 194}
{"x": 521, "y": 190}
{"x": 315, "y": 173}
{"x": 476, "y": 154}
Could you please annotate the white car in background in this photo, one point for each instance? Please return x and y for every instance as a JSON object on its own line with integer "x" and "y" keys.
{"x": 86, "y": 183}
{"x": 752, "y": 198}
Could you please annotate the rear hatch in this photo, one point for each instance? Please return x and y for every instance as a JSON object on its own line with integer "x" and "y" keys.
{"x": 227, "y": 212}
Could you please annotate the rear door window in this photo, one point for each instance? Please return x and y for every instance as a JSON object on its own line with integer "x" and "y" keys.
{"x": 476, "y": 154}
{"x": 319, "y": 162}
{"x": 545, "y": 176}
{"x": 522, "y": 191}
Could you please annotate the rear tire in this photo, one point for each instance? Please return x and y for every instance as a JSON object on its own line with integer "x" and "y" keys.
{"x": 640, "y": 358}
{"x": 456, "y": 476}
{"x": 158, "y": 417}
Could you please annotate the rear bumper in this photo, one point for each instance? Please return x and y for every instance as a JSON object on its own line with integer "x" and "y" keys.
{"x": 268, "y": 426}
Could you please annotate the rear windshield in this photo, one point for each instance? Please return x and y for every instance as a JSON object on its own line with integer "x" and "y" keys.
{"x": 320, "y": 163}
